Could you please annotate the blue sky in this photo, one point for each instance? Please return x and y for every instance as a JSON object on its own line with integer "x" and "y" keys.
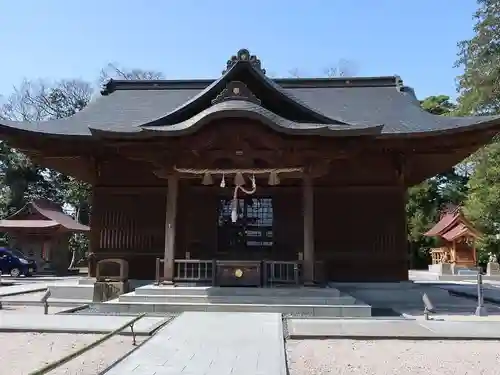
{"x": 55, "y": 39}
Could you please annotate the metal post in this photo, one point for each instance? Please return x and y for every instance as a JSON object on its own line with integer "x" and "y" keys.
{"x": 480, "y": 309}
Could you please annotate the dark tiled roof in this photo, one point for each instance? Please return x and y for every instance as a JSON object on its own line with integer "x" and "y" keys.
{"x": 451, "y": 226}
{"x": 338, "y": 107}
{"x": 52, "y": 214}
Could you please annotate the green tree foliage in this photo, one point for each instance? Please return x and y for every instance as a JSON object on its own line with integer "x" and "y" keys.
{"x": 483, "y": 202}
{"x": 479, "y": 88}
{"x": 427, "y": 200}
{"x": 479, "y": 85}
{"x": 438, "y": 105}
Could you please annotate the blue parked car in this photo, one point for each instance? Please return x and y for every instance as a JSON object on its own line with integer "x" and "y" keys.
{"x": 15, "y": 263}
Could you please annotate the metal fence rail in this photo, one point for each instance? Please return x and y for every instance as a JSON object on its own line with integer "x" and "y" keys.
{"x": 52, "y": 366}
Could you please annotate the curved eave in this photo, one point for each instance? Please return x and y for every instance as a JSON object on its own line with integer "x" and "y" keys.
{"x": 451, "y": 126}
{"x": 216, "y": 87}
{"x": 50, "y": 128}
{"x": 246, "y": 110}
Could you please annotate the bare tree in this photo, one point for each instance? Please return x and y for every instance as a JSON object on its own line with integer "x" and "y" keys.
{"x": 112, "y": 70}
{"x": 296, "y": 73}
{"x": 343, "y": 68}
{"x": 39, "y": 100}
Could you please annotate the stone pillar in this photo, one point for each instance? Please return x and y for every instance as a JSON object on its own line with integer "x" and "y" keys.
{"x": 493, "y": 269}
{"x": 308, "y": 206}
{"x": 169, "y": 255}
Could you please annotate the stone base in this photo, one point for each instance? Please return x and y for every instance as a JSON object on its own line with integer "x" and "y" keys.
{"x": 441, "y": 269}
{"x": 493, "y": 269}
{"x": 107, "y": 290}
{"x": 319, "y": 302}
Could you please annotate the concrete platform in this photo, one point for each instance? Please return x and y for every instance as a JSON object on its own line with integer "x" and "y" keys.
{"x": 80, "y": 292}
{"x": 13, "y": 290}
{"x": 235, "y": 291}
{"x": 238, "y": 299}
{"x": 433, "y": 276}
{"x": 326, "y": 302}
{"x": 406, "y": 297}
{"x": 34, "y": 299}
{"x": 392, "y": 329}
{"x": 77, "y": 324}
{"x": 360, "y": 310}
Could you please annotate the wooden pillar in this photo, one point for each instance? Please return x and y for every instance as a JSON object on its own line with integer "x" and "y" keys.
{"x": 308, "y": 207}
{"x": 169, "y": 256}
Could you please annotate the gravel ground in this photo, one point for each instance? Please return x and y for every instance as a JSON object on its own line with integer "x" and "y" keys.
{"x": 22, "y": 353}
{"x": 395, "y": 357}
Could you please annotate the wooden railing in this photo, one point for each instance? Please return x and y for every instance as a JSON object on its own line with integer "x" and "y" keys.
{"x": 282, "y": 272}
{"x": 194, "y": 270}
{"x": 274, "y": 272}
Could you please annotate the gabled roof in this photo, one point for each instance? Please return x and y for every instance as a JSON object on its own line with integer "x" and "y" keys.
{"x": 451, "y": 226}
{"x": 458, "y": 231}
{"x": 327, "y": 106}
{"x": 42, "y": 213}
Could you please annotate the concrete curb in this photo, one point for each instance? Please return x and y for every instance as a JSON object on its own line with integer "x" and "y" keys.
{"x": 62, "y": 303}
{"x": 400, "y": 337}
{"x": 89, "y": 332}
{"x": 126, "y": 332}
{"x": 34, "y": 290}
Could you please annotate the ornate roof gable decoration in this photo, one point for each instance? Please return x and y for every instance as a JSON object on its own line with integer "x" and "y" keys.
{"x": 244, "y": 55}
{"x": 236, "y": 90}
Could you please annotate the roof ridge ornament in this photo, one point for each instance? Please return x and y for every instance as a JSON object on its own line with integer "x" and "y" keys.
{"x": 236, "y": 90}
{"x": 244, "y": 55}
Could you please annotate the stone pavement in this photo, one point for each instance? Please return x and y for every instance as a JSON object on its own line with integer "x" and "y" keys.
{"x": 201, "y": 343}
{"x": 76, "y": 323}
{"x": 395, "y": 329}
{"x": 13, "y": 290}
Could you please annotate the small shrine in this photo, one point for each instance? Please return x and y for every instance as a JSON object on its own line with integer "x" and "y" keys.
{"x": 41, "y": 230}
{"x": 456, "y": 238}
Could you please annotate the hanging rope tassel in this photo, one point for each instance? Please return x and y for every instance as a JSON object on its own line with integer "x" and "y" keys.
{"x": 234, "y": 208}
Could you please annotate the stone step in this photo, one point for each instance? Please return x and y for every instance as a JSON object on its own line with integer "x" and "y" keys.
{"x": 74, "y": 292}
{"x": 346, "y": 311}
{"x": 237, "y": 291}
{"x": 238, "y": 299}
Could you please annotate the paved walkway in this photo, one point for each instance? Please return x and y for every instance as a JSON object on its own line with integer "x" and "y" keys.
{"x": 15, "y": 322}
{"x": 201, "y": 343}
{"x": 13, "y": 290}
{"x": 436, "y": 329}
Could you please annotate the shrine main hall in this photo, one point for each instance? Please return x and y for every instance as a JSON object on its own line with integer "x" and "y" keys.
{"x": 249, "y": 180}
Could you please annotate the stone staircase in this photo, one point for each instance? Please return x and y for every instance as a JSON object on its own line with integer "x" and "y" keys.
{"x": 320, "y": 302}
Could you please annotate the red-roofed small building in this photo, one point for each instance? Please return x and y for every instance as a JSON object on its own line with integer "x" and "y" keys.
{"x": 41, "y": 231}
{"x": 456, "y": 237}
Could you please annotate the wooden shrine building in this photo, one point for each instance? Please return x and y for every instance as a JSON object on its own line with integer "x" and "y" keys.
{"x": 250, "y": 175}
{"x": 456, "y": 237}
{"x": 41, "y": 231}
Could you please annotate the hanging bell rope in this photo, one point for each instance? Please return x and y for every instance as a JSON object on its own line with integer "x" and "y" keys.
{"x": 234, "y": 208}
